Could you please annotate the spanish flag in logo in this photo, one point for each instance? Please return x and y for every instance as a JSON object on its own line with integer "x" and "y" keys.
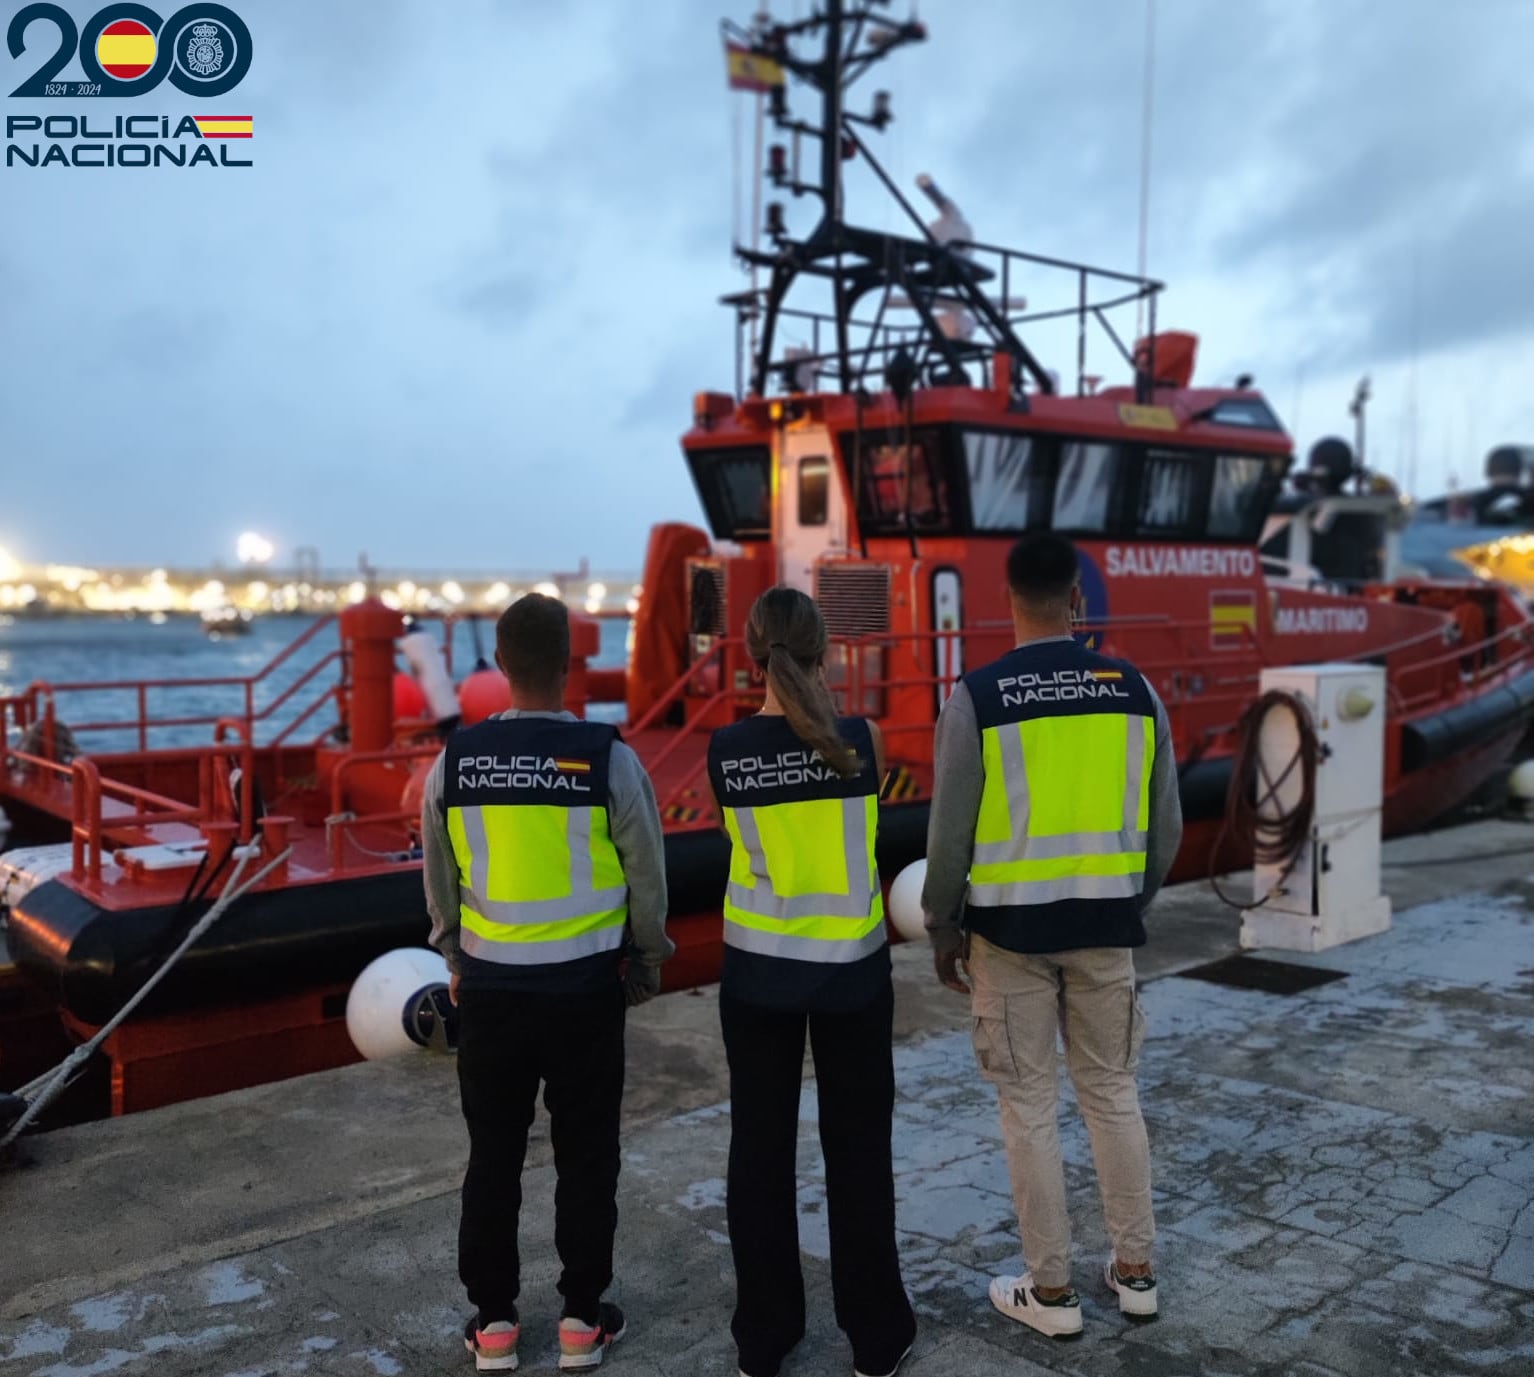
{"x": 750, "y": 71}
{"x": 126, "y": 49}
{"x": 225, "y": 126}
{"x": 1232, "y": 619}
{"x": 573, "y": 767}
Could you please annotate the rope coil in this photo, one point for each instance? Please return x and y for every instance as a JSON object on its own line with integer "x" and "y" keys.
{"x": 1254, "y": 817}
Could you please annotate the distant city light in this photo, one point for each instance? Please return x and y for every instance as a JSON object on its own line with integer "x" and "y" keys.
{"x": 356, "y": 592}
{"x": 452, "y": 590}
{"x": 254, "y": 549}
{"x": 596, "y": 592}
{"x": 10, "y": 567}
{"x": 632, "y": 606}
{"x": 593, "y": 606}
{"x": 390, "y": 599}
{"x": 257, "y": 590}
{"x": 498, "y": 592}
{"x": 547, "y": 589}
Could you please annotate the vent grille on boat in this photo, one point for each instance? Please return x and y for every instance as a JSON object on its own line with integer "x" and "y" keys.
{"x": 854, "y": 598}
{"x": 706, "y": 599}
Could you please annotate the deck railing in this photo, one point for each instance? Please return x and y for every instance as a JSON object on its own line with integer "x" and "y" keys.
{"x": 1220, "y": 697}
{"x": 38, "y": 704}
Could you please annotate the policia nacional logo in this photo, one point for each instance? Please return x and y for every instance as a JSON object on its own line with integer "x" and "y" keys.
{"x": 523, "y": 772}
{"x": 1061, "y": 686}
{"x": 203, "y": 50}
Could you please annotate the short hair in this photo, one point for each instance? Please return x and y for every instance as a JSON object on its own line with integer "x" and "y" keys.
{"x": 533, "y": 639}
{"x": 1042, "y": 569}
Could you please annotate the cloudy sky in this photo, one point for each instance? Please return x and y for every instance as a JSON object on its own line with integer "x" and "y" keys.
{"x": 455, "y": 314}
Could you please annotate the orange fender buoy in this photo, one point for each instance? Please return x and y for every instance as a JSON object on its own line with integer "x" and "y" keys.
{"x": 482, "y": 694}
{"x": 409, "y": 700}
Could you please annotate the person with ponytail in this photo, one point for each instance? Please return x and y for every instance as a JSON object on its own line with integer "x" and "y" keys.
{"x": 806, "y": 954}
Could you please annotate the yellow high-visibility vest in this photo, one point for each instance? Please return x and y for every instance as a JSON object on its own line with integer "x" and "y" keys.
{"x": 804, "y": 883}
{"x": 540, "y": 880}
{"x": 1068, "y": 744}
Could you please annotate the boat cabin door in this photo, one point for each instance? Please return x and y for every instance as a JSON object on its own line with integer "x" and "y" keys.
{"x": 811, "y": 516}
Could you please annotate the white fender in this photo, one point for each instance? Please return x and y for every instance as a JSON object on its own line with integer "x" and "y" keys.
{"x": 424, "y": 656}
{"x": 905, "y": 902}
{"x": 399, "y": 1004}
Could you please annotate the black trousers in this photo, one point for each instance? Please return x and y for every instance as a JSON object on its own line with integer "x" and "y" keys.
{"x": 855, "y": 1080}
{"x": 509, "y": 1041}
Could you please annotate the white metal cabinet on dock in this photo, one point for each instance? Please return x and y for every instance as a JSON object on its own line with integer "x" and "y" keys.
{"x": 1330, "y": 891}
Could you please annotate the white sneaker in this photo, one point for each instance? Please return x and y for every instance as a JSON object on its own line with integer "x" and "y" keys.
{"x": 1017, "y": 1300}
{"x": 1137, "y": 1295}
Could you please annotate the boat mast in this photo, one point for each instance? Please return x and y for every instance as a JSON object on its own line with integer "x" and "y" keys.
{"x": 855, "y": 262}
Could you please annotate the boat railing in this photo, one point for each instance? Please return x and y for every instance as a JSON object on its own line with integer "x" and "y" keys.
{"x": 37, "y": 705}
{"x": 937, "y": 286}
{"x": 1162, "y": 647}
{"x": 343, "y": 827}
{"x": 1476, "y": 665}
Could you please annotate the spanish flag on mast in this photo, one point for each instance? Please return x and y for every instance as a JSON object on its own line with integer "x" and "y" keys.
{"x": 750, "y": 71}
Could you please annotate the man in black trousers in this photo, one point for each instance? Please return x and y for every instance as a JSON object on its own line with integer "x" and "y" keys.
{"x": 543, "y": 867}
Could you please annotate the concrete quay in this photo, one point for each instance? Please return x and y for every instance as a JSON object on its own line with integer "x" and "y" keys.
{"x": 1344, "y": 1174}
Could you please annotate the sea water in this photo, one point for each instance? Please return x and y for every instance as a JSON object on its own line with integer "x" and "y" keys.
{"x": 96, "y": 664}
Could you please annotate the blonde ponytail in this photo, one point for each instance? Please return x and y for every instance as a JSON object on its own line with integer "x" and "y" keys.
{"x": 786, "y": 636}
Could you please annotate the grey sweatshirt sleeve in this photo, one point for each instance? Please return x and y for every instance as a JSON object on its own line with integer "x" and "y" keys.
{"x": 958, "y": 779}
{"x": 637, "y": 836}
{"x": 439, "y": 869}
{"x": 1165, "y": 807}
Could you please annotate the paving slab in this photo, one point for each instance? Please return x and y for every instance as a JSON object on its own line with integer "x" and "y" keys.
{"x": 1344, "y": 1184}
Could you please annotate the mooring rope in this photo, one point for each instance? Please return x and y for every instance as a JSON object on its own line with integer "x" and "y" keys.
{"x": 46, "y": 1088}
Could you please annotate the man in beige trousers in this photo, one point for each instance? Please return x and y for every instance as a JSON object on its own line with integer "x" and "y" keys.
{"x": 1055, "y": 818}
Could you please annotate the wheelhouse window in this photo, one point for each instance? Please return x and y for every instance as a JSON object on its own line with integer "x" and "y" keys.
{"x": 1251, "y": 412}
{"x": 1085, "y": 487}
{"x": 814, "y": 490}
{"x": 1244, "y": 488}
{"x": 735, "y": 486}
{"x": 1008, "y": 480}
{"x": 1172, "y": 493}
{"x": 904, "y": 482}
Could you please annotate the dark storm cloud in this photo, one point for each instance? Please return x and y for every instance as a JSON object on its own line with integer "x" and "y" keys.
{"x": 1408, "y": 145}
{"x": 502, "y": 301}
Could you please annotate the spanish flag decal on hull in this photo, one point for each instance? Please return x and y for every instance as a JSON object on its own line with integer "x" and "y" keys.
{"x": 225, "y": 126}
{"x": 1232, "y": 619}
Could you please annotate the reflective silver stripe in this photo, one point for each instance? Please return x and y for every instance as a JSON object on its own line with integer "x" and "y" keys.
{"x": 479, "y": 848}
{"x": 1060, "y": 845}
{"x": 765, "y": 902}
{"x": 581, "y": 902}
{"x": 803, "y": 948}
{"x": 541, "y": 953}
{"x": 1134, "y": 773}
{"x": 1014, "y": 774}
{"x": 579, "y": 837}
{"x": 1051, "y": 891}
{"x": 519, "y": 911}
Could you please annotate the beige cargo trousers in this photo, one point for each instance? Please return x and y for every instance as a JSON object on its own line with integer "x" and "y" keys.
{"x": 1020, "y": 1003}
